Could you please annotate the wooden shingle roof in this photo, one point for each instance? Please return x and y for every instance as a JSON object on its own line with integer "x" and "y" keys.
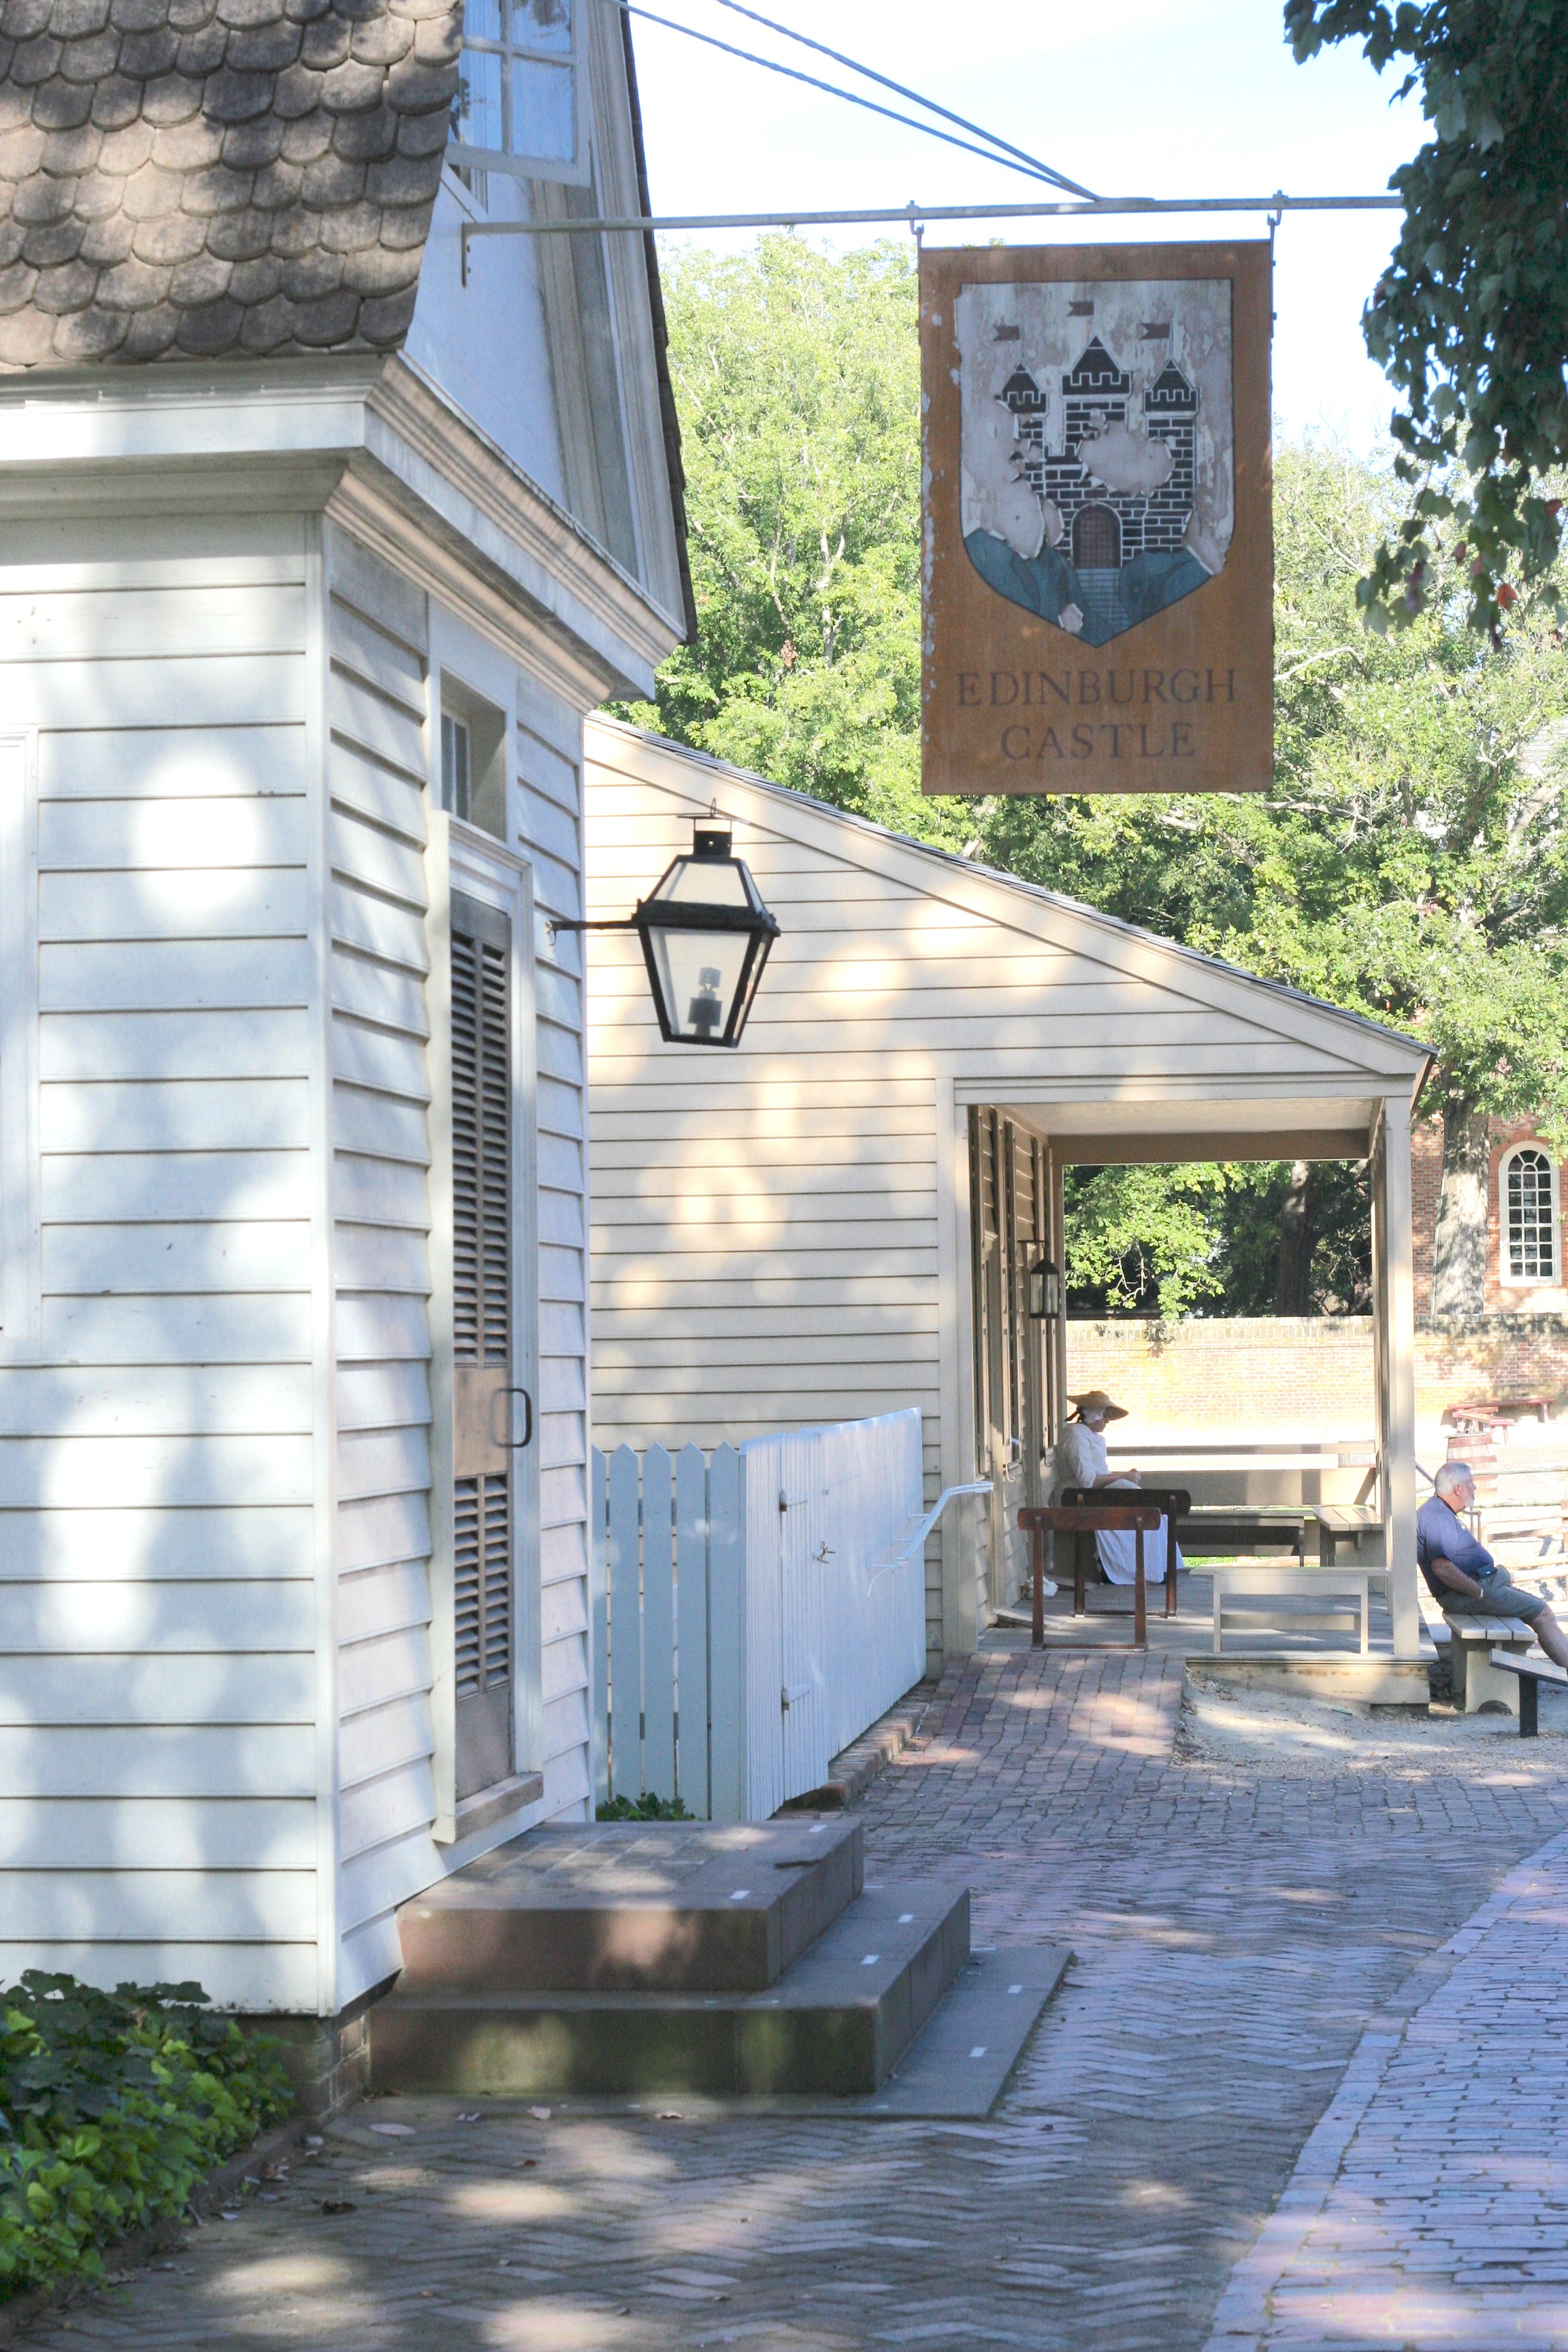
{"x": 201, "y": 179}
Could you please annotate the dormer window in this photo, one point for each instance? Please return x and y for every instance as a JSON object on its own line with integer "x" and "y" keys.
{"x": 520, "y": 101}
{"x": 1527, "y": 1185}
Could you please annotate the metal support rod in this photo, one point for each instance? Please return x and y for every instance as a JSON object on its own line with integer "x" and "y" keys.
{"x": 907, "y": 215}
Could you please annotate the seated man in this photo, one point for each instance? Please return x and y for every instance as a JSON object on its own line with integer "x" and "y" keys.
{"x": 1463, "y": 1574}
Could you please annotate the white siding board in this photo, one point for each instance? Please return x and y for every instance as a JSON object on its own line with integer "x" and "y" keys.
{"x": 395, "y": 1733}
{"x": 215, "y": 834}
{"x": 164, "y": 763}
{"x": 247, "y": 1906}
{"x": 275, "y": 1978}
{"x": 180, "y": 1688}
{"x": 384, "y": 796}
{"x": 195, "y": 1044}
{"x": 106, "y": 625}
{"x": 186, "y": 975}
{"x": 185, "y": 1400}
{"x": 383, "y": 1396}
{"x": 390, "y": 1806}
{"x": 192, "y": 1762}
{"x": 382, "y": 1601}
{"x": 369, "y": 1674}
{"x": 125, "y": 1472}
{"x": 378, "y": 1127}
{"x": 380, "y": 861}
{"x": 128, "y": 1186}
{"x": 156, "y": 1834}
{"x": 112, "y": 1115}
{"x": 395, "y": 934}
{"x": 157, "y": 902}
{"x": 238, "y": 1254}
{"x": 379, "y": 993}
{"x": 237, "y": 690}
{"x": 74, "y": 1617}
{"x": 236, "y": 1328}
{"x": 370, "y": 1327}
{"x": 382, "y": 1531}
{"x": 262, "y": 1540}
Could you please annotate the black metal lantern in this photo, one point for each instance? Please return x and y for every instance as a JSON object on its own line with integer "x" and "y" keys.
{"x": 705, "y": 936}
{"x": 1045, "y": 1291}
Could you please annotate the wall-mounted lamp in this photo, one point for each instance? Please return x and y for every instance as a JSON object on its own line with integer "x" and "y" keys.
{"x": 705, "y": 936}
{"x": 1045, "y": 1291}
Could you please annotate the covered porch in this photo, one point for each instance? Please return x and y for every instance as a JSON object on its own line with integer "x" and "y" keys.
{"x": 1335, "y": 1496}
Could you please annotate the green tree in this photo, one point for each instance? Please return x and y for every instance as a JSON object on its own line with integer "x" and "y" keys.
{"x": 1470, "y": 318}
{"x": 1411, "y": 862}
{"x": 797, "y": 374}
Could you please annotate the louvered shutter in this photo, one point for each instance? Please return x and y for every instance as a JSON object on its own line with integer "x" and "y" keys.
{"x": 481, "y": 1326}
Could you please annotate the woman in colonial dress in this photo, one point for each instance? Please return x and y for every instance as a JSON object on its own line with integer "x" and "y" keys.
{"x": 1081, "y": 1461}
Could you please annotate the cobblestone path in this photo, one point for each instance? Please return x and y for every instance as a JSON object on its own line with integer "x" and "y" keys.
{"x": 1429, "y": 2209}
{"x": 1239, "y": 1933}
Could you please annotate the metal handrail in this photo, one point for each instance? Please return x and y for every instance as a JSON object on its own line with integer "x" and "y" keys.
{"x": 912, "y": 1543}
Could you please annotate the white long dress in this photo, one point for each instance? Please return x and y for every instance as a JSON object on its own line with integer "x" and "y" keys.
{"x": 1081, "y": 1458}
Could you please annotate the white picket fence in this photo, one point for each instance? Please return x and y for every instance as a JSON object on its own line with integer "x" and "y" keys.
{"x": 754, "y": 1610}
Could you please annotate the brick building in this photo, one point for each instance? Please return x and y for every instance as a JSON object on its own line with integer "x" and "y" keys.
{"x": 1524, "y": 1242}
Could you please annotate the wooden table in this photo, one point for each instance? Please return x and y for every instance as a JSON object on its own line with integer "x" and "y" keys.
{"x": 1221, "y": 1527}
{"x": 1271, "y": 1576}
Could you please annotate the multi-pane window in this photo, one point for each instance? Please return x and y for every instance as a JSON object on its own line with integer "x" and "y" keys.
{"x": 1529, "y": 1225}
{"x": 457, "y": 765}
{"x": 519, "y": 103}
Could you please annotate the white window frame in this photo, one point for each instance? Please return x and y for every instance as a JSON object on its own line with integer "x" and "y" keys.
{"x": 576, "y": 171}
{"x": 20, "y": 1282}
{"x": 1509, "y": 1280}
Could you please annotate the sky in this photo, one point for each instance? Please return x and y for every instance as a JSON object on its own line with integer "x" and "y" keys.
{"x": 1158, "y": 97}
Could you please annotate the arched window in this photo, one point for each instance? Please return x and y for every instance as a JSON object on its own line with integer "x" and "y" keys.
{"x": 1527, "y": 1185}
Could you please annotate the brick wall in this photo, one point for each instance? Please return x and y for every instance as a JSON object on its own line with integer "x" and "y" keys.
{"x": 1308, "y": 1372}
{"x": 1426, "y": 1177}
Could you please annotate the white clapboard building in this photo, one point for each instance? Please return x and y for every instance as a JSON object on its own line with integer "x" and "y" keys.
{"x": 839, "y": 1217}
{"x": 323, "y": 520}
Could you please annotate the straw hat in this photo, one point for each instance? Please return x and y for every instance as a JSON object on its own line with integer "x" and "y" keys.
{"x": 1095, "y": 1401}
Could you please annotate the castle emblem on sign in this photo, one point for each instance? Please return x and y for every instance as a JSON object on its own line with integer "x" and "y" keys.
{"x": 1098, "y": 490}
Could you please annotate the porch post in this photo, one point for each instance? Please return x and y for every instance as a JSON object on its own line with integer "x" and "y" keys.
{"x": 1393, "y": 1308}
{"x": 1058, "y": 1249}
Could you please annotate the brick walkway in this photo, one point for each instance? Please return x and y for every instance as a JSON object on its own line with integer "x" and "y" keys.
{"x": 1429, "y": 2209}
{"x": 1241, "y": 1931}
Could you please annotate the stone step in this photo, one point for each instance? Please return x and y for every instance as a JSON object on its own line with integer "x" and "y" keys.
{"x": 836, "y": 2020}
{"x": 631, "y": 1908}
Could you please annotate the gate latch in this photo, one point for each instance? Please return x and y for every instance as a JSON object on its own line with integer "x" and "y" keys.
{"x": 792, "y": 1693}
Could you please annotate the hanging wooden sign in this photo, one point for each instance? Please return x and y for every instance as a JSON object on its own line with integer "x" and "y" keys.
{"x": 1098, "y": 562}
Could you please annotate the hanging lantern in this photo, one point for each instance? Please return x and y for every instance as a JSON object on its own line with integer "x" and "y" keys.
{"x": 705, "y": 936}
{"x": 1045, "y": 1291}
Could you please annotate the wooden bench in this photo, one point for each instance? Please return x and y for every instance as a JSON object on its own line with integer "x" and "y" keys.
{"x": 1344, "y": 1523}
{"x": 1139, "y": 1518}
{"x": 1531, "y": 1673}
{"x": 1346, "y": 1587}
{"x": 1173, "y": 1502}
{"x": 1475, "y": 1677}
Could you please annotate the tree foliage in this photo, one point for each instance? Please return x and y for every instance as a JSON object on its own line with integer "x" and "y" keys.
{"x": 797, "y": 374}
{"x": 1470, "y": 318}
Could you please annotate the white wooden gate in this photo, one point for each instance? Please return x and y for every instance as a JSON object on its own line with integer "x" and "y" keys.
{"x": 753, "y": 1612}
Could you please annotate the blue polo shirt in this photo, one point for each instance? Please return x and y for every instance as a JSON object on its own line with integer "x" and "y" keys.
{"x": 1439, "y": 1533}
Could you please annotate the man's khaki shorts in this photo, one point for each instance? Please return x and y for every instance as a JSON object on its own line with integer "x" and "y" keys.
{"x": 1500, "y": 1597}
